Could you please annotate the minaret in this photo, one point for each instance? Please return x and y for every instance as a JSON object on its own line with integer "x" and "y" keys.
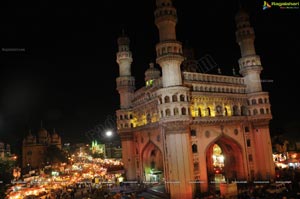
{"x": 125, "y": 87}
{"x": 259, "y": 113}
{"x": 173, "y": 106}
{"x": 125, "y": 82}
{"x": 250, "y": 65}
{"x": 168, "y": 50}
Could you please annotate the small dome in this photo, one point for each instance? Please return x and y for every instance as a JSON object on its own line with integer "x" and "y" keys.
{"x": 43, "y": 133}
{"x": 30, "y": 136}
{"x": 123, "y": 39}
{"x": 152, "y": 72}
{"x": 55, "y": 135}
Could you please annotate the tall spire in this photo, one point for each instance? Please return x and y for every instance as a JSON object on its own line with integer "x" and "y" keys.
{"x": 240, "y": 4}
{"x": 125, "y": 82}
{"x": 165, "y": 20}
{"x": 219, "y": 71}
{"x": 123, "y": 32}
{"x": 168, "y": 50}
{"x": 169, "y": 55}
{"x": 124, "y": 57}
{"x": 250, "y": 65}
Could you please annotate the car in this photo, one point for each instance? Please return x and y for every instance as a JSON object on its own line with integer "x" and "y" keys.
{"x": 276, "y": 188}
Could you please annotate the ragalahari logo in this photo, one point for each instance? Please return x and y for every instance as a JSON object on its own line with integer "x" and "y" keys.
{"x": 281, "y": 5}
{"x": 266, "y": 5}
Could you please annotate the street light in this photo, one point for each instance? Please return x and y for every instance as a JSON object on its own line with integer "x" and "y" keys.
{"x": 109, "y": 134}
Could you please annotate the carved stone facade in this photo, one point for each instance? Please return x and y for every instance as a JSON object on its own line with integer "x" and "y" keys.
{"x": 34, "y": 147}
{"x": 182, "y": 124}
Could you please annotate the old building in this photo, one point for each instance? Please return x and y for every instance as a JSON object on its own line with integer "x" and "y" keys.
{"x": 184, "y": 126}
{"x": 34, "y": 147}
{"x": 4, "y": 150}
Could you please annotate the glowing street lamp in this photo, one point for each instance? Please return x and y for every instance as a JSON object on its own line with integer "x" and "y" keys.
{"x": 109, "y": 134}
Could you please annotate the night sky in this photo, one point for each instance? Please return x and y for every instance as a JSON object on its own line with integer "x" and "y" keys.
{"x": 58, "y": 60}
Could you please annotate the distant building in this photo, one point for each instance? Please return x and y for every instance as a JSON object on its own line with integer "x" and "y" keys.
{"x": 97, "y": 148}
{"x": 107, "y": 150}
{"x": 35, "y": 146}
{"x": 286, "y": 152}
{"x": 116, "y": 152}
{"x": 4, "y": 150}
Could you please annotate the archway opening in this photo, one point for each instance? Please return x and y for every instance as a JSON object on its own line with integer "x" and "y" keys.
{"x": 152, "y": 163}
{"x": 218, "y": 163}
{"x": 224, "y": 161}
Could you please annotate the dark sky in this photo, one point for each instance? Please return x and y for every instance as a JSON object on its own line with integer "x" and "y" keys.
{"x": 58, "y": 58}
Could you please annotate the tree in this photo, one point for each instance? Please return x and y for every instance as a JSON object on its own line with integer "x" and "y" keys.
{"x": 55, "y": 155}
{"x": 98, "y": 155}
{"x": 6, "y": 170}
{"x": 280, "y": 144}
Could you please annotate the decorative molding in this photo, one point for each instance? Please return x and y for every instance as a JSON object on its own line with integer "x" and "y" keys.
{"x": 176, "y": 126}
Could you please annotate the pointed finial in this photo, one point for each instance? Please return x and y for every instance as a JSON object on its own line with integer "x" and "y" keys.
{"x": 151, "y": 65}
{"x": 242, "y": 10}
{"x": 240, "y": 4}
{"x": 219, "y": 71}
{"x": 123, "y": 30}
{"x": 233, "y": 72}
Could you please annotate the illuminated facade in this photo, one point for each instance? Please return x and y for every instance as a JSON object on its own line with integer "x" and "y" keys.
{"x": 34, "y": 147}
{"x": 97, "y": 148}
{"x": 4, "y": 150}
{"x": 184, "y": 127}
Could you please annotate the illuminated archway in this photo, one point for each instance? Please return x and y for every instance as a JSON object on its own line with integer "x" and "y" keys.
{"x": 217, "y": 159}
{"x": 224, "y": 159}
{"x": 152, "y": 163}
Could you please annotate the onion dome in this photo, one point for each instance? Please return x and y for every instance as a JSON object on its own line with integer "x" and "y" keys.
{"x": 152, "y": 73}
{"x": 42, "y": 133}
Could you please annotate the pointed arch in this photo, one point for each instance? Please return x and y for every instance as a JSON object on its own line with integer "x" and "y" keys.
{"x": 235, "y": 110}
{"x": 232, "y": 150}
{"x": 183, "y": 111}
{"x": 208, "y": 111}
{"x": 175, "y": 111}
{"x": 194, "y": 148}
{"x": 152, "y": 160}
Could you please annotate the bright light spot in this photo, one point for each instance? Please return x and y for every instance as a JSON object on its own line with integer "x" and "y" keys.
{"x": 294, "y": 155}
{"x": 108, "y": 133}
{"x": 221, "y": 158}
